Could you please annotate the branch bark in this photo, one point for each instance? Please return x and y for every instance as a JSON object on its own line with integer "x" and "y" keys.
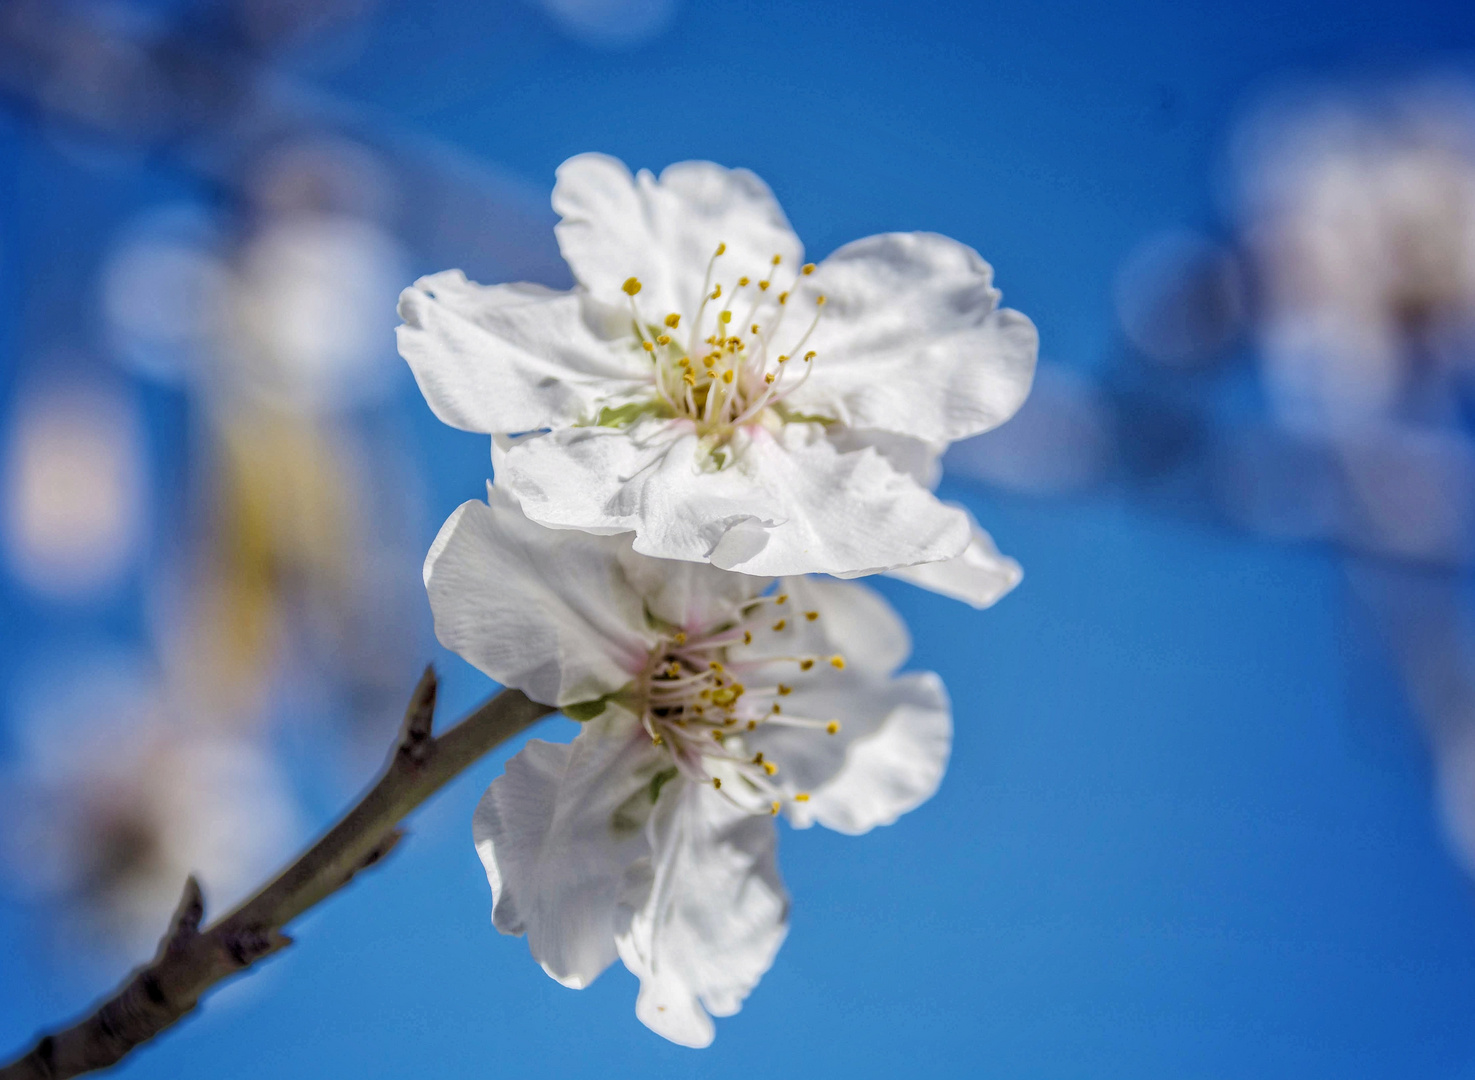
{"x": 191, "y": 961}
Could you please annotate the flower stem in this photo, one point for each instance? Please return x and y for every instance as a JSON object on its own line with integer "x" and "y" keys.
{"x": 191, "y": 960}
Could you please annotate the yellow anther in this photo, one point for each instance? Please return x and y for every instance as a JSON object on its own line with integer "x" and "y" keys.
{"x": 803, "y": 796}
{"x": 717, "y": 782}
{"x": 808, "y": 268}
{"x": 684, "y": 362}
{"x": 776, "y": 708}
{"x": 819, "y": 301}
{"x": 715, "y": 666}
{"x": 781, "y": 624}
{"x": 658, "y": 741}
{"x": 783, "y": 298}
{"x": 833, "y": 727}
{"x": 742, "y": 281}
{"x": 837, "y": 661}
{"x": 810, "y": 355}
{"x": 770, "y": 768}
{"x": 784, "y": 691}
{"x": 724, "y": 317}
{"x": 811, "y": 615}
{"x": 727, "y": 375}
{"x": 781, "y": 598}
{"x": 664, "y": 339}
{"x": 679, "y": 637}
{"x": 673, "y": 320}
{"x": 783, "y": 359}
{"x": 689, "y": 379}
{"x": 777, "y": 259}
{"x": 717, "y": 735}
{"x": 717, "y": 290}
{"x": 648, "y": 346}
{"x": 764, "y": 285}
{"x": 747, "y": 637}
{"x": 773, "y": 808}
{"x": 806, "y": 664}
{"x": 721, "y": 248}
{"x": 753, "y": 329}
{"x": 710, "y": 359}
{"x": 752, "y": 724}
{"x": 768, "y": 378}
{"x": 631, "y": 286}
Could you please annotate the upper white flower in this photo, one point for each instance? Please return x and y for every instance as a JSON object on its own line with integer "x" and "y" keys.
{"x": 710, "y": 392}
{"x": 714, "y": 701}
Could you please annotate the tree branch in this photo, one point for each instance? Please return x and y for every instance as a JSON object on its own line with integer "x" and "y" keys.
{"x": 190, "y": 961}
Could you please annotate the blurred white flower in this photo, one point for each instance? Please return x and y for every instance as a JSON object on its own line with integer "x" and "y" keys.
{"x": 703, "y": 390}
{"x": 297, "y": 318}
{"x": 712, "y": 701}
{"x": 1361, "y": 216}
{"x": 76, "y": 499}
{"x": 111, "y": 805}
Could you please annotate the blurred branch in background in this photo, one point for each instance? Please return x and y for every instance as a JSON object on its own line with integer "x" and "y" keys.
{"x": 191, "y": 961}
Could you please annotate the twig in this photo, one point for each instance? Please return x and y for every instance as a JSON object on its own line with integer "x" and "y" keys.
{"x": 190, "y": 961}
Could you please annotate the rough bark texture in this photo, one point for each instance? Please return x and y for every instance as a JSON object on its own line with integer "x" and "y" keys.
{"x": 191, "y": 960}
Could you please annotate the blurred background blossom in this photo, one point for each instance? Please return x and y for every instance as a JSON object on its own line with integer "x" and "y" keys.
{"x": 1217, "y": 754}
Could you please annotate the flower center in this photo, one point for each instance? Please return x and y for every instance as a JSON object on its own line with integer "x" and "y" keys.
{"x": 724, "y": 368}
{"x": 704, "y": 691}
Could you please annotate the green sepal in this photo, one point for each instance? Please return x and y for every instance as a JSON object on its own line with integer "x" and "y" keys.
{"x": 659, "y": 780}
{"x": 584, "y": 711}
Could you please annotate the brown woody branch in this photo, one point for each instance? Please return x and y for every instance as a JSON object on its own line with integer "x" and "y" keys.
{"x": 191, "y": 961}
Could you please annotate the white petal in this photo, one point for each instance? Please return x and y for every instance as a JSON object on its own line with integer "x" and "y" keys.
{"x": 508, "y": 358}
{"x": 691, "y": 595}
{"x": 892, "y": 770}
{"x": 980, "y": 576}
{"x": 715, "y": 917}
{"x": 911, "y": 340}
{"x": 558, "y": 832}
{"x": 917, "y": 458}
{"x": 850, "y": 788}
{"x": 787, "y": 504}
{"x": 854, "y": 621}
{"x": 546, "y": 611}
{"x": 664, "y": 232}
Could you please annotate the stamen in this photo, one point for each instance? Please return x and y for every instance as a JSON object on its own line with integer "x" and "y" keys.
{"x": 811, "y": 615}
{"x": 673, "y": 320}
{"x": 833, "y": 727}
{"x": 631, "y": 286}
{"x": 802, "y": 796}
{"x": 808, "y": 269}
{"x": 837, "y": 661}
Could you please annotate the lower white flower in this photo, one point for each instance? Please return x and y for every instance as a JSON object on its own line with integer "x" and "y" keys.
{"x": 712, "y": 701}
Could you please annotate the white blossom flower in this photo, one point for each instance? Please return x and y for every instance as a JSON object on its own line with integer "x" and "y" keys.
{"x": 711, "y": 702}
{"x": 707, "y": 390}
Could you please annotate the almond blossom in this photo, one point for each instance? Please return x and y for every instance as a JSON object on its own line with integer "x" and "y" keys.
{"x": 709, "y": 391}
{"x": 711, "y": 703}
